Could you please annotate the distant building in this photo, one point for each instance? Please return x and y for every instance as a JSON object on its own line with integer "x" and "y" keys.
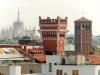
{"x": 69, "y": 47}
{"x": 83, "y": 35}
{"x": 70, "y": 39}
{"x": 17, "y": 31}
{"x": 18, "y": 27}
{"x": 53, "y": 34}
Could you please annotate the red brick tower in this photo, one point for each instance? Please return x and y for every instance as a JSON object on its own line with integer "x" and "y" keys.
{"x": 53, "y": 34}
{"x": 83, "y": 35}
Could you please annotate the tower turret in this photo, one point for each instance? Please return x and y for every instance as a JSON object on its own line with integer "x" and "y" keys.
{"x": 53, "y": 34}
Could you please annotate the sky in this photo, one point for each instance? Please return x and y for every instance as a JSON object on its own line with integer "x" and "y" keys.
{"x": 30, "y": 10}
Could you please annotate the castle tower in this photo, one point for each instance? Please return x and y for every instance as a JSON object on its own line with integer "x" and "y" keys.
{"x": 83, "y": 35}
{"x": 53, "y": 34}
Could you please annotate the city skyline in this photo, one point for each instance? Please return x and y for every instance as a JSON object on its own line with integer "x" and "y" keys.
{"x": 30, "y": 10}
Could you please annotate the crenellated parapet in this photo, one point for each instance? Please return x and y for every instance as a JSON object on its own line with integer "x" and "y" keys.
{"x": 53, "y": 34}
{"x": 48, "y": 20}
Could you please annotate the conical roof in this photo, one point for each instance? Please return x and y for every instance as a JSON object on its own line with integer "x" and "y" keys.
{"x": 82, "y": 19}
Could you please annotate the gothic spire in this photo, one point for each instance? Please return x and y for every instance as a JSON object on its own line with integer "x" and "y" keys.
{"x": 18, "y": 16}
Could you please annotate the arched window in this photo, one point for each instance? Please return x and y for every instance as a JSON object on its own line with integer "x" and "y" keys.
{"x": 50, "y": 67}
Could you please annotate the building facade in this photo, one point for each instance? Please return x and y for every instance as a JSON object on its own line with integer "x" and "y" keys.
{"x": 76, "y": 70}
{"x": 56, "y": 67}
{"x": 18, "y": 27}
{"x": 53, "y": 34}
{"x": 83, "y": 35}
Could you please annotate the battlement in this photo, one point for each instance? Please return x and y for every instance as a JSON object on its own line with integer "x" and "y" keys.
{"x": 48, "y": 20}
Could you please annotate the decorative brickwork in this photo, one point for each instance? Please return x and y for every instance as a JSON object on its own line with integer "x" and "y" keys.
{"x": 83, "y": 35}
{"x": 53, "y": 34}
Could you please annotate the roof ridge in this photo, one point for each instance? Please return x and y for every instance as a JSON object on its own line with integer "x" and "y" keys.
{"x": 83, "y": 19}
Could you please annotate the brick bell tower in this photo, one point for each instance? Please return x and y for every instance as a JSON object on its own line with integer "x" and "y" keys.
{"x": 53, "y": 34}
{"x": 83, "y": 35}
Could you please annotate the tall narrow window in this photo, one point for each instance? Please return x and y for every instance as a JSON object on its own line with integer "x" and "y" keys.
{"x": 50, "y": 67}
{"x": 59, "y": 72}
{"x": 83, "y": 27}
{"x": 75, "y": 72}
{"x": 77, "y": 27}
{"x": 89, "y": 27}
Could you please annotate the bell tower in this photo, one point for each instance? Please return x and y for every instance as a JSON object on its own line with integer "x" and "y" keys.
{"x": 53, "y": 34}
{"x": 83, "y": 35}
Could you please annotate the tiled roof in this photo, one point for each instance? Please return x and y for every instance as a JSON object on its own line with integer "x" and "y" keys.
{"x": 39, "y": 54}
{"x": 41, "y": 58}
{"x": 82, "y": 19}
{"x": 94, "y": 59}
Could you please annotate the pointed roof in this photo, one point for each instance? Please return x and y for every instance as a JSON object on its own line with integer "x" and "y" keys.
{"x": 83, "y": 19}
{"x": 18, "y": 22}
{"x": 18, "y": 16}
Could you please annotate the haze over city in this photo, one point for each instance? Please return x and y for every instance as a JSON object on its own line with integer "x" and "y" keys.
{"x": 30, "y": 10}
{"x": 49, "y": 37}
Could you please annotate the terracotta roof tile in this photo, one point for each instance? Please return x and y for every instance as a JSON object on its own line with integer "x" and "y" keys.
{"x": 41, "y": 58}
{"x": 94, "y": 59}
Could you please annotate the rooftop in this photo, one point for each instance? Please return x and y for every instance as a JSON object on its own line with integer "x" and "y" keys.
{"x": 11, "y": 54}
{"x": 83, "y": 19}
{"x": 94, "y": 59}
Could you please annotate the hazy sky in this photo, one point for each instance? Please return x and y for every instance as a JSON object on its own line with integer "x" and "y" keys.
{"x": 31, "y": 9}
